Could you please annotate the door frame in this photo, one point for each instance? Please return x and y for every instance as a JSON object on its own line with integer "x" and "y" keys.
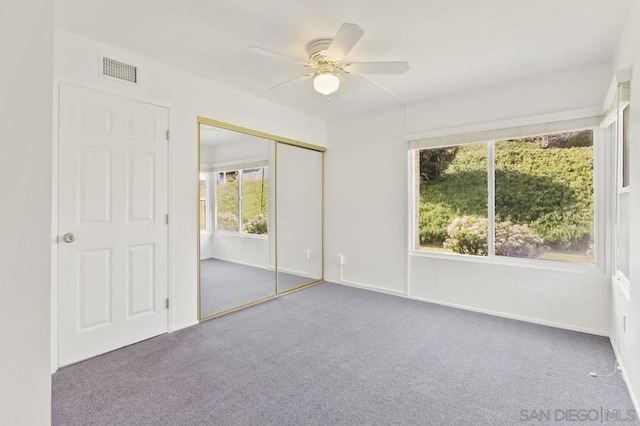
{"x": 58, "y": 82}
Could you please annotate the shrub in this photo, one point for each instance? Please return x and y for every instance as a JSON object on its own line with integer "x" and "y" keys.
{"x": 550, "y": 189}
{"x": 579, "y": 139}
{"x": 468, "y": 235}
{"x": 227, "y": 221}
{"x": 255, "y": 198}
{"x": 227, "y": 198}
{"x": 516, "y": 240}
{"x": 255, "y": 195}
{"x": 433, "y": 221}
{"x": 461, "y": 191}
{"x": 258, "y": 225}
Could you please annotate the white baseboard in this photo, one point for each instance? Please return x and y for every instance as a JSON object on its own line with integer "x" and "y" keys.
{"x": 295, "y": 272}
{"x": 479, "y": 310}
{"x": 625, "y": 378}
{"x": 268, "y": 268}
{"x": 369, "y": 287}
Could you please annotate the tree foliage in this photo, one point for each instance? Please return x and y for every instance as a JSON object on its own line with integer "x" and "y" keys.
{"x": 433, "y": 162}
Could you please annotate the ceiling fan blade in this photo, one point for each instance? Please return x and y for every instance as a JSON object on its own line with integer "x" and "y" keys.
{"x": 377, "y": 67}
{"x": 344, "y": 40}
{"x": 276, "y": 55}
{"x": 302, "y": 77}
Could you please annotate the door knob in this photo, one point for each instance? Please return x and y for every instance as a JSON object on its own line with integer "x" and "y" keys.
{"x": 69, "y": 237}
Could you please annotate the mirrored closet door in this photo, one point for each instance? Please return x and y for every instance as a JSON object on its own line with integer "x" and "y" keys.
{"x": 299, "y": 219}
{"x": 260, "y": 217}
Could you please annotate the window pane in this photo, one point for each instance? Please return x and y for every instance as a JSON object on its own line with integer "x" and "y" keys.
{"x": 255, "y": 193}
{"x": 453, "y": 199}
{"x": 227, "y": 201}
{"x": 625, "y": 147}
{"x": 623, "y": 233}
{"x": 544, "y": 197}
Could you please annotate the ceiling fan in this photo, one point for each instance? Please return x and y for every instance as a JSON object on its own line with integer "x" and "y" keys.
{"x": 326, "y": 62}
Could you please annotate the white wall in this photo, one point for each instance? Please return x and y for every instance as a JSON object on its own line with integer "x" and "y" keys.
{"x": 366, "y": 201}
{"x": 564, "y": 90}
{"x": 367, "y": 206}
{"x": 627, "y": 343}
{"x": 25, "y": 225}
{"x": 76, "y": 59}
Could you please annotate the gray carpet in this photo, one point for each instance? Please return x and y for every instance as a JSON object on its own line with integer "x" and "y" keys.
{"x": 226, "y": 285}
{"x": 334, "y": 355}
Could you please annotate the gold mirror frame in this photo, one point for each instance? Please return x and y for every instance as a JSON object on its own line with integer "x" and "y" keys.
{"x": 277, "y": 140}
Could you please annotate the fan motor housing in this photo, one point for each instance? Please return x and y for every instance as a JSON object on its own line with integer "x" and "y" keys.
{"x": 317, "y": 49}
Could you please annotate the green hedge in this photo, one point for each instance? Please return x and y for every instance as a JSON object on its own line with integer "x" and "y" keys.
{"x": 255, "y": 196}
{"x": 550, "y": 189}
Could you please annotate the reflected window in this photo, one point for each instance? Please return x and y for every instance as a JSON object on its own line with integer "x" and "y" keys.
{"x": 227, "y": 201}
{"x": 204, "y": 214}
{"x": 242, "y": 201}
{"x": 255, "y": 196}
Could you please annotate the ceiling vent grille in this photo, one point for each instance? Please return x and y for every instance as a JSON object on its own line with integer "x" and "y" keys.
{"x": 119, "y": 70}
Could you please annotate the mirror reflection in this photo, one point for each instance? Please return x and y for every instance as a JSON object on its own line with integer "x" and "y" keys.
{"x": 237, "y": 254}
{"x": 299, "y": 218}
{"x": 260, "y": 216}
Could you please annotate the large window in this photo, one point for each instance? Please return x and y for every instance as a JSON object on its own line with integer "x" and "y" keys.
{"x": 527, "y": 198}
{"x": 242, "y": 200}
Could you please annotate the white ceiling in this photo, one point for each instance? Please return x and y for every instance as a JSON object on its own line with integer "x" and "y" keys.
{"x": 451, "y": 45}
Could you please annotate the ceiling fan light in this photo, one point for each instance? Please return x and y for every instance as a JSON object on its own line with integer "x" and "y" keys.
{"x": 326, "y": 83}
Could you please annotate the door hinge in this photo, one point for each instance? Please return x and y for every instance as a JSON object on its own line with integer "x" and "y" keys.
{"x": 167, "y": 135}
{"x": 167, "y": 303}
{"x": 166, "y": 219}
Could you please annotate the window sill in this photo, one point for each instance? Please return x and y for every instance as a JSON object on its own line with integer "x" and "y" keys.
{"x": 241, "y": 235}
{"x": 512, "y": 261}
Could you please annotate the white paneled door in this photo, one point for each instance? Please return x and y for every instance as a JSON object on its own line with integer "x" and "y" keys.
{"x": 112, "y": 222}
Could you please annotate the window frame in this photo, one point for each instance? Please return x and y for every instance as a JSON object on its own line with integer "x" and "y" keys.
{"x": 240, "y": 231}
{"x": 620, "y": 189}
{"x": 600, "y": 173}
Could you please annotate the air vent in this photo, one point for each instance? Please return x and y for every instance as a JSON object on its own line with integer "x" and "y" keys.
{"x": 119, "y": 70}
